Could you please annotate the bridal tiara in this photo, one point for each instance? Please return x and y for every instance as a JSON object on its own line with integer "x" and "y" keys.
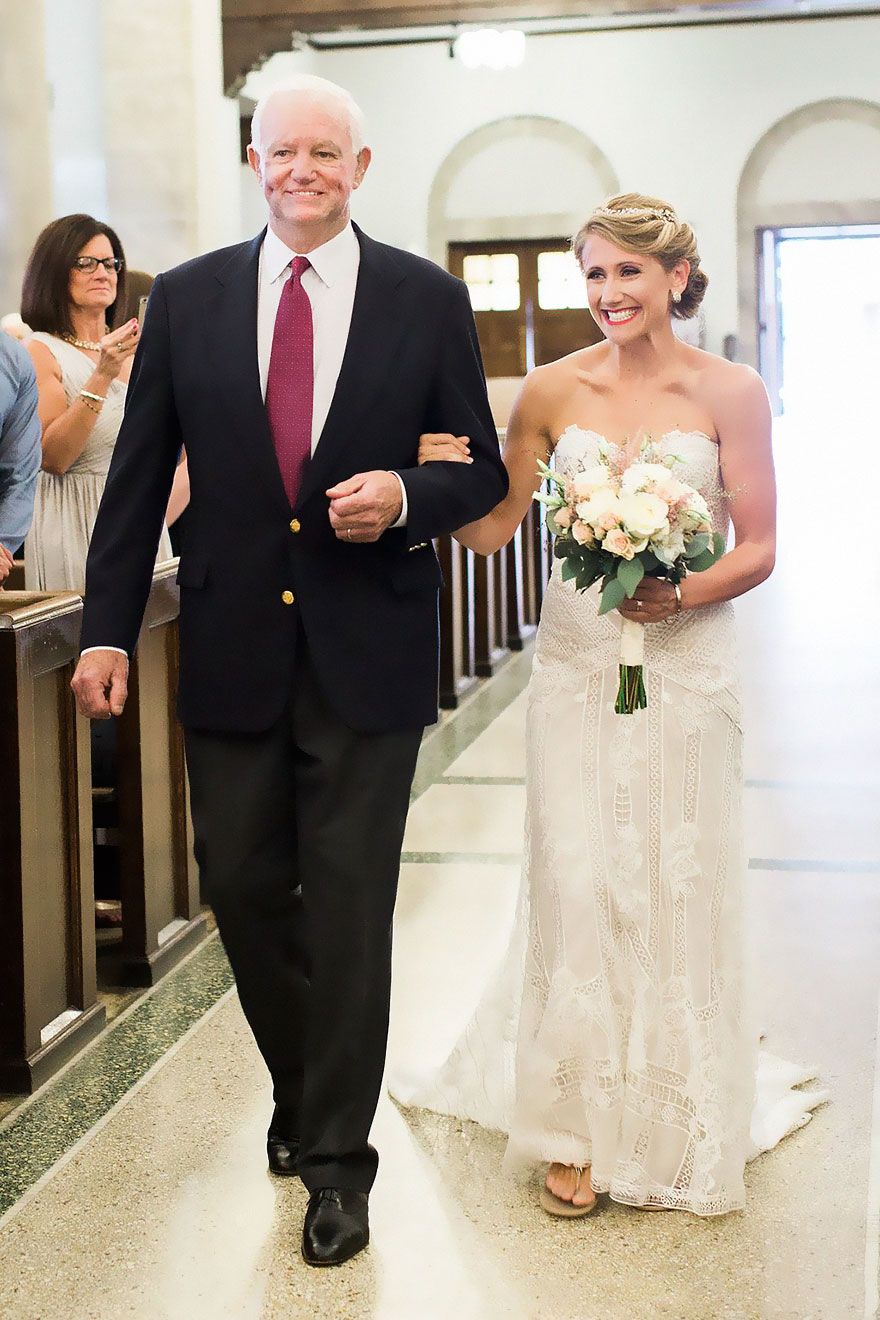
{"x": 659, "y": 212}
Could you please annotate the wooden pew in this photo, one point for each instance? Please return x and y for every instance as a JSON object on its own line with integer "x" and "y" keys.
{"x": 161, "y": 917}
{"x": 457, "y": 661}
{"x": 490, "y": 606}
{"x": 15, "y": 580}
{"x": 48, "y": 1005}
{"x": 491, "y": 639}
{"x": 537, "y": 561}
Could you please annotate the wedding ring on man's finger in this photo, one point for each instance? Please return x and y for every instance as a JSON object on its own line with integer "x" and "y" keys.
{"x": 348, "y": 532}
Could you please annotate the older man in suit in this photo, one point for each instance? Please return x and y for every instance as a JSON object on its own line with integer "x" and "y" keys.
{"x": 299, "y": 370}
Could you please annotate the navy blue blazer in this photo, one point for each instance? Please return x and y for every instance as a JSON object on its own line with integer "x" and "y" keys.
{"x": 412, "y": 364}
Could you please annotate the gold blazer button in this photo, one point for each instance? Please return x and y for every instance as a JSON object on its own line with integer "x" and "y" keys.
{"x": 287, "y": 597}
{"x": 294, "y": 524}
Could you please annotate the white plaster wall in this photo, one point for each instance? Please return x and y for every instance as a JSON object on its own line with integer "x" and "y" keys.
{"x": 835, "y": 161}
{"x": 500, "y": 180}
{"x": 676, "y": 111}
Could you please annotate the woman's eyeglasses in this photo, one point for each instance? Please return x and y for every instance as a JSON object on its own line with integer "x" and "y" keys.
{"x": 88, "y": 264}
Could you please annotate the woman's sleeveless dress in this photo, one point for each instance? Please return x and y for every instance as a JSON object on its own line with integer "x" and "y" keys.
{"x": 66, "y": 506}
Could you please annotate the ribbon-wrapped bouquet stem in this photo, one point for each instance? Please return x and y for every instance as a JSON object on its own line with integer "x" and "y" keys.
{"x": 626, "y": 518}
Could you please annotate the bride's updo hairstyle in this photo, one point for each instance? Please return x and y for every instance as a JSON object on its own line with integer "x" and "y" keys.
{"x": 648, "y": 226}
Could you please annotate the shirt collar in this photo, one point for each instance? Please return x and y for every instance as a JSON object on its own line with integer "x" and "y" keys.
{"x": 337, "y": 257}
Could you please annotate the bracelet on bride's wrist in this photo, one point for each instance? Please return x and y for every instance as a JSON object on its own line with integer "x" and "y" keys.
{"x": 677, "y": 589}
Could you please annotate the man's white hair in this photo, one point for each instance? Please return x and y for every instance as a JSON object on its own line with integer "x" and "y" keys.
{"x": 327, "y": 94}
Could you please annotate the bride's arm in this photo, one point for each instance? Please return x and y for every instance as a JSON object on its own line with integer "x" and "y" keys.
{"x": 743, "y": 422}
{"x": 527, "y": 441}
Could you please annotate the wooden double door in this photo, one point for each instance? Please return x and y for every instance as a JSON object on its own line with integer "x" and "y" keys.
{"x": 529, "y": 300}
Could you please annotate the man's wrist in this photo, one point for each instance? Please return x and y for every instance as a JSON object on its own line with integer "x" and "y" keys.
{"x": 117, "y": 649}
{"x": 400, "y": 520}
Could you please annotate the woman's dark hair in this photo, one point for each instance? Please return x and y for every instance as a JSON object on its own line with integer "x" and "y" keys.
{"x": 45, "y": 290}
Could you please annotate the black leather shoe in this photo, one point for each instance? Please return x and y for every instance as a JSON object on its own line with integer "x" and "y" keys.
{"x": 336, "y": 1227}
{"x": 283, "y": 1153}
{"x": 282, "y": 1149}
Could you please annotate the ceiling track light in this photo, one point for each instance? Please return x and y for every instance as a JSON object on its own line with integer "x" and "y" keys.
{"x": 490, "y": 48}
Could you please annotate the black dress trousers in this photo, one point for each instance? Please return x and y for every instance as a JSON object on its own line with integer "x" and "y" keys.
{"x": 298, "y": 835}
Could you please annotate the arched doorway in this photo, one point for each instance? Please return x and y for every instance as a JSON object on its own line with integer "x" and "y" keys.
{"x": 815, "y": 173}
{"x": 508, "y": 238}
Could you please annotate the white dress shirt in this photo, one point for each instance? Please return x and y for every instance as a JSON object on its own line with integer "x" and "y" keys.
{"x": 330, "y": 282}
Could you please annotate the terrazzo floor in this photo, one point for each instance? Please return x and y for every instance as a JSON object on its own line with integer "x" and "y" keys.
{"x": 135, "y": 1185}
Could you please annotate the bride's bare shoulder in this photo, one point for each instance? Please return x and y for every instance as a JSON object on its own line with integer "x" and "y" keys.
{"x": 556, "y": 380}
{"x": 732, "y": 393}
{"x": 720, "y": 378}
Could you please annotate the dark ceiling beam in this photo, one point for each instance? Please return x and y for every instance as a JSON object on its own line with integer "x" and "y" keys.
{"x": 325, "y": 15}
{"x": 255, "y": 29}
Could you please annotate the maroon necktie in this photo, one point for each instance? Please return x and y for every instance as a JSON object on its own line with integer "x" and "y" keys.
{"x": 290, "y": 383}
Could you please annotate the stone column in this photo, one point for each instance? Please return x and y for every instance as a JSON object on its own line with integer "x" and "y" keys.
{"x": 73, "y": 67}
{"x": 25, "y": 172}
{"x": 171, "y": 136}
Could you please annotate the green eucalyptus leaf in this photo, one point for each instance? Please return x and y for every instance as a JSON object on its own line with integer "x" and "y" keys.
{"x": 701, "y": 562}
{"x": 629, "y": 574}
{"x": 613, "y": 594}
{"x": 697, "y": 545}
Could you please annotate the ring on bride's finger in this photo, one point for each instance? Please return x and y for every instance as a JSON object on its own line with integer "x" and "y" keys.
{"x": 638, "y": 604}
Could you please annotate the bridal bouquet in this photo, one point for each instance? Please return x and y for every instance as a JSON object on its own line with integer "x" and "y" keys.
{"x": 619, "y": 521}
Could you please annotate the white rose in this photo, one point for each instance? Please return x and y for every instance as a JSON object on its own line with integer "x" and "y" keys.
{"x": 642, "y": 514}
{"x": 668, "y": 547}
{"x": 585, "y": 483}
{"x": 600, "y": 502}
{"x": 640, "y": 475}
{"x": 694, "y": 512}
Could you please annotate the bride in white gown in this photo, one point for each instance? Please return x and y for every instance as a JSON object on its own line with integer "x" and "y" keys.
{"x": 615, "y": 1043}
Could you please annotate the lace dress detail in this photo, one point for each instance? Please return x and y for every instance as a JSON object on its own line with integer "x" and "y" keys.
{"x": 616, "y": 1032}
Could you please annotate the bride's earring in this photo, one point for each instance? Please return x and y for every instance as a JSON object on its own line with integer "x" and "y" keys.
{"x": 676, "y": 297}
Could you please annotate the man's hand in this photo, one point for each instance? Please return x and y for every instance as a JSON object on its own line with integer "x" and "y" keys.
{"x": 100, "y": 684}
{"x": 444, "y": 448}
{"x": 5, "y": 563}
{"x": 365, "y": 506}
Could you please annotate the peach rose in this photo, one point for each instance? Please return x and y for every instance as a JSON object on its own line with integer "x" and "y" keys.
{"x": 561, "y": 517}
{"x": 583, "y": 533}
{"x": 618, "y": 543}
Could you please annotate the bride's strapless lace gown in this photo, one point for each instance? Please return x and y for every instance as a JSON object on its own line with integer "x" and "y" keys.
{"x": 617, "y": 1033}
